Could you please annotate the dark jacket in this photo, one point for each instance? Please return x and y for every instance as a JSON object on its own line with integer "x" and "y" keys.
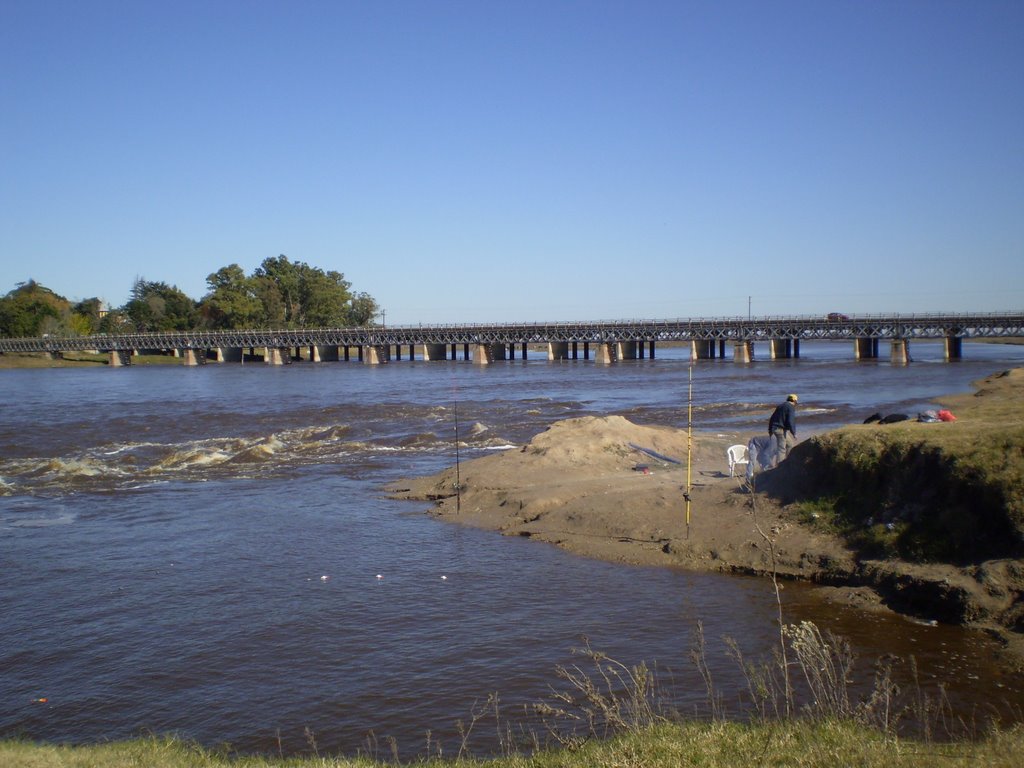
{"x": 784, "y": 418}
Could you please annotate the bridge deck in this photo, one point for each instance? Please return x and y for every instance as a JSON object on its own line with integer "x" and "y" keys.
{"x": 891, "y": 327}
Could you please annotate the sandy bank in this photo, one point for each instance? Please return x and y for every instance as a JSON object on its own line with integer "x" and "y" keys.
{"x": 577, "y": 485}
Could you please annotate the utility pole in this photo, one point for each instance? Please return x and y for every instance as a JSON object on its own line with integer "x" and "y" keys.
{"x": 748, "y": 308}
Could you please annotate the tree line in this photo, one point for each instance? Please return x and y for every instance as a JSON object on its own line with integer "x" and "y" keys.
{"x": 279, "y": 293}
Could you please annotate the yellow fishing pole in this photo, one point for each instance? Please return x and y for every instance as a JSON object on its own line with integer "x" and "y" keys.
{"x": 689, "y": 446}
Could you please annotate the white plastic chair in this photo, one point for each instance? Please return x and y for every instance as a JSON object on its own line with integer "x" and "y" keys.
{"x": 737, "y": 454}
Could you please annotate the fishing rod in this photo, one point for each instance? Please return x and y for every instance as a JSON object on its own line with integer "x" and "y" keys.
{"x": 689, "y": 446}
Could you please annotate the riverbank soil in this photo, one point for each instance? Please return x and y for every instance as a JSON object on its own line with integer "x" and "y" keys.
{"x": 935, "y": 531}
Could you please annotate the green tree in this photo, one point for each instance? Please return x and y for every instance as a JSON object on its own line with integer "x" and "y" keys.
{"x": 305, "y": 296}
{"x": 158, "y": 306}
{"x": 115, "y": 321}
{"x": 232, "y": 302}
{"x": 85, "y": 317}
{"x": 273, "y": 312}
{"x": 32, "y": 310}
{"x": 362, "y": 310}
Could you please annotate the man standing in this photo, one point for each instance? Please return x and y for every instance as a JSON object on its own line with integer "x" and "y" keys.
{"x": 783, "y": 420}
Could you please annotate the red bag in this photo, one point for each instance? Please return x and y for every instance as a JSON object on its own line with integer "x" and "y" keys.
{"x": 946, "y": 416}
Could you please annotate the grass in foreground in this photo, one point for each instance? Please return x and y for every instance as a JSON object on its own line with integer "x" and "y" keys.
{"x": 796, "y": 743}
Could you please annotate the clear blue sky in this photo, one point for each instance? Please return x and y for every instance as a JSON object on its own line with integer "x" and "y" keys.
{"x": 520, "y": 161}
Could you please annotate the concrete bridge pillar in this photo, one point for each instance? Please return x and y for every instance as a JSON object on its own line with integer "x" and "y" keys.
{"x": 277, "y": 356}
{"x": 626, "y": 350}
{"x": 434, "y": 352}
{"x": 226, "y": 355}
{"x": 780, "y": 348}
{"x": 190, "y": 357}
{"x": 605, "y": 353}
{"x": 485, "y": 354}
{"x": 954, "y": 347}
{"x": 558, "y": 350}
{"x": 324, "y": 353}
{"x": 743, "y": 352}
{"x": 701, "y": 349}
{"x": 375, "y": 354}
{"x": 482, "y": 354}
{"x": 900, "y": 354}
{"x": 119, "y": 357}
{"x": 865, "y": 348}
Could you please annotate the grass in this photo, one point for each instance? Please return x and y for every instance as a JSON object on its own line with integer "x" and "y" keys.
{"x": 608, "y": 714}
{"x": 797, "y": 743}
{"x": 947, "y": 492}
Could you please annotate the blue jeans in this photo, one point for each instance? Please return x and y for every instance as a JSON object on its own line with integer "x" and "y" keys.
{"x": 781, "y": 446}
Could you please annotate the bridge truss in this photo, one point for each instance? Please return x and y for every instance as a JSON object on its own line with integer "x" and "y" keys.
{"x": 893, "y": 327}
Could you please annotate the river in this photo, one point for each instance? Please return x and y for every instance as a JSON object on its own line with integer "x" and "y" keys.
{"x": 208, "y": 551}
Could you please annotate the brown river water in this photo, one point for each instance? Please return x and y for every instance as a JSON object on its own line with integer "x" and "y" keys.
{"x": 208, "y": 551}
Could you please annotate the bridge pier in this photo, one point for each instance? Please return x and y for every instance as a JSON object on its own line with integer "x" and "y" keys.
{"x": 784, "y": 348}
{"x": 865, "y": 348}
{"x": 743, "y": 352}
{"x": 900, "y": 353}
{"x": 558, "y": 350}
{"x": 954, "y": 347}
{"x": 119, "y": 357}
{"x": 625, "y": 350}
{"x": 702, "y": 349}
{"x": 191, "y": 357}
{"x": 226, "y": 354}
{"x": 277, "y": 356}
{"x": 605, "y": 353}
{"x": 485, "y": 354}
{"x": 375, "y": 354}
{"x": 324, "y": 353}
{"x": 432, "y": 352}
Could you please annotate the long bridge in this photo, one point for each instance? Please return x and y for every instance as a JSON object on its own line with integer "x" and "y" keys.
{"x": 608, "y": 341}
